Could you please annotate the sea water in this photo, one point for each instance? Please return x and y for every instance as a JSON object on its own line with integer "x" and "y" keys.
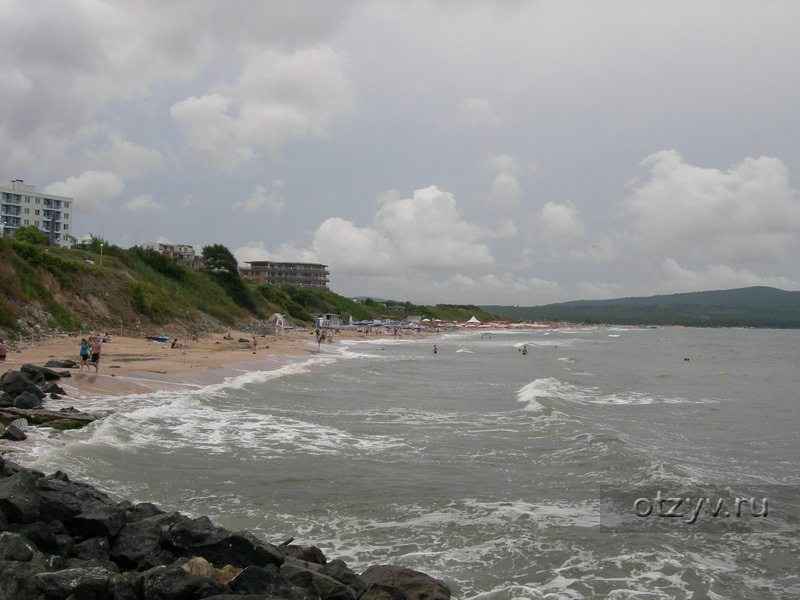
{"x": 604, "y": 463}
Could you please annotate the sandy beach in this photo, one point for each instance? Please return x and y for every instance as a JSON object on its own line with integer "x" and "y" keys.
{"x": 136, "y": 365}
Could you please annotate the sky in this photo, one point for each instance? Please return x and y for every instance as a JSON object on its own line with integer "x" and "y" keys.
{"x": 514, "y": 152}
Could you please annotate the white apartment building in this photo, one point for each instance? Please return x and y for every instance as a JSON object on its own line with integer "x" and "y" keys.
{"x": 176, "y": 251}
{"x": 21, "y": 204}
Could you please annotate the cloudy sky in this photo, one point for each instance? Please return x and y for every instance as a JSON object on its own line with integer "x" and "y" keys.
{"x": 498, "y": 152}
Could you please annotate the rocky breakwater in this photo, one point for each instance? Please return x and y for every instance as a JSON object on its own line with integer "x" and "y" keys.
{"x": 61, "y": 539}
{"x": 21, "y": 402}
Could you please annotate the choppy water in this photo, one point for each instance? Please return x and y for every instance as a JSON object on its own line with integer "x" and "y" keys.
{"x": 508, "y": 476}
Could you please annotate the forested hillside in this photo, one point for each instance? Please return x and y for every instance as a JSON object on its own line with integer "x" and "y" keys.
{"x": 744, "y": 307}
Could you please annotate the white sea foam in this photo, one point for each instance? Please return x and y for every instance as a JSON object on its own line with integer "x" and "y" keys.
{"x": 548, "y": 387}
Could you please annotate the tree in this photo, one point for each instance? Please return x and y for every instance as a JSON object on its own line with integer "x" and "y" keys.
{"x": 218, "y": 258}
{"x": 32, "y": 235}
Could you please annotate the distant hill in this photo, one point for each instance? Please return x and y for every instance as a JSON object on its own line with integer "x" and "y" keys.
{"x": 757, "y": 306}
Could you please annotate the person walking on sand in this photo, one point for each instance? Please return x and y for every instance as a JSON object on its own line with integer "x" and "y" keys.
{"x": 255, "y": 344}
{"x": 84, "y": 353}
{"x": 97, "y": 347}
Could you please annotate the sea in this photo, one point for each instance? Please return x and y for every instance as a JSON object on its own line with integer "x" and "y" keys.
{"x": 605, "y": 462}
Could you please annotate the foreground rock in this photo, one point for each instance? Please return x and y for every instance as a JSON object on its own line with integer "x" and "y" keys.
{"x": 21, "y": 396}
{"x": 61, "y": 539}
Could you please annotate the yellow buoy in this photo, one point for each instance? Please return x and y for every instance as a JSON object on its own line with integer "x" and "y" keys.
{"x": 723, "y": 373}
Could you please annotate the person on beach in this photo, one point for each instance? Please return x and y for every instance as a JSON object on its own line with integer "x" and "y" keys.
{"x": 435, "y": 349}
{"x": 96, "y": 348}
{"x": 3, "y": 351}
{"x": 84, "y": 353}
{"x": 255, "y": 344}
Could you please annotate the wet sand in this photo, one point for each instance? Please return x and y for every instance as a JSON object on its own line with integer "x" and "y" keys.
{"x": 136, "y": 365}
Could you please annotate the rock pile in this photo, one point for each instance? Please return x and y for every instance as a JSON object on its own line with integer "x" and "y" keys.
{"x": 61, "y": 539}
{"x": 21, "y": 395}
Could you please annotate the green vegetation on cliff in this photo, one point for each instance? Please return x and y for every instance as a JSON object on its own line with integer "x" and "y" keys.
{"x": 137, "y": 290}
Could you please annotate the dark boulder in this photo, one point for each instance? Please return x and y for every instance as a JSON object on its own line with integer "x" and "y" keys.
{"x": 310, "y": 554}
{"x": 89, "y": 583}
{"x": 338, "y": 570}
{"x": 19, "y": 497}
{"x": 15, "y": 383}
{"x": 38, "y": 374}
{"x": 77, "y": 505}
{"x": 61, "y": 364}
{"x": 200, "y": 537}
{"x": 99, "y": 520}
{"x": 94, "y": 549}
{"x": 326, "y": 587}
{"x": 268, "y": 581}
{"x": 14, "y": 546}
{"x": 138, "y": 544}
{"x": 54, "y": 388}
{"x": 27, "y": 400}
{"x": 383, "y": 592}
{"x": 14, "y": 434}
{"x": 168, "y": 583}
{"x": 43, "y": 535}
{"x": 415, "y": 585}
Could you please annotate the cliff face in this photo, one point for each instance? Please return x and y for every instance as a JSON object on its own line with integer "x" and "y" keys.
{"x": 46, "y": 291}
{"x": 91, "y": 303}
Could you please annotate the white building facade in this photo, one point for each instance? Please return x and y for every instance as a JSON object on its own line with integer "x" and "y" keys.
{"x": 21, "y": 204}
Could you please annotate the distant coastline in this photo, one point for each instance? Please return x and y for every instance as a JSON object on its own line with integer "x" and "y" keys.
{"x": 758, "y": 307}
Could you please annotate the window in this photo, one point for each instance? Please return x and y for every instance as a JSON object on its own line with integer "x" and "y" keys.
{"x": 27, "y": 211}
{"x": 27, "y": 222}
{"x": 37, "y": 212}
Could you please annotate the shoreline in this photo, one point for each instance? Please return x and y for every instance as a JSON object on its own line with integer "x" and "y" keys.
{"x": 131, "y": 367}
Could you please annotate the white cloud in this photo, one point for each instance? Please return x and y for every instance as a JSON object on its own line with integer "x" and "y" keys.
{"x": 125, "y": 159}
{"x": 747, "y": 213}
{"x": 474, "y": 112}
{"x": 143, "y": 203}
{"x": 422, "y": 232}
{"x": 90, "y": 190}
{"x": 505, "y": 190}
{"x": 252, "y": 250}
{"x": 560, "y": 222}
{"x": 428, "y": 232}
{"x": 261, "y": 200}
{"x": 277, "y": 99}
